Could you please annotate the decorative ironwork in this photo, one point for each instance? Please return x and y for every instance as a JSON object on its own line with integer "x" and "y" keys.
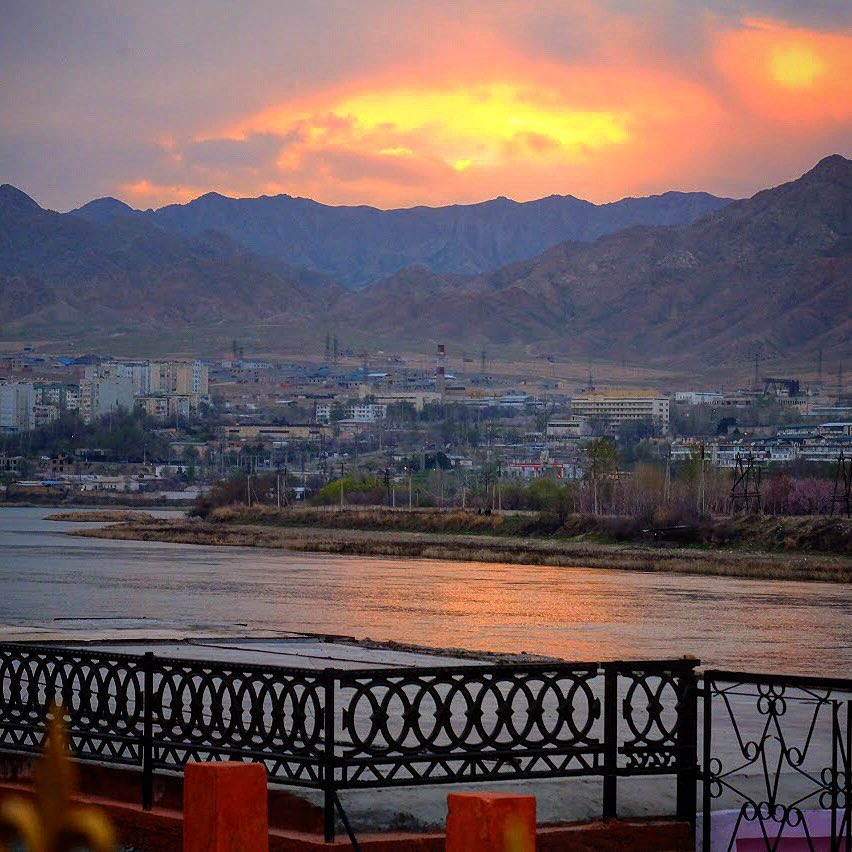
{"x": 788, "y": 774}
{"x": 101, "y": 695}
{"x": 52, "y": 822}
{"x": 468, "y": 724}
{"x": 214, "y": 711}
{"x": 336, "y": 730}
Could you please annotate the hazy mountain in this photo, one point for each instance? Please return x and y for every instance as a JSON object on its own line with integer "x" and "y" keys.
{"x": 775, "y": 269}
{"x": 360, "y": 245}
{"x": 65, "y": 268}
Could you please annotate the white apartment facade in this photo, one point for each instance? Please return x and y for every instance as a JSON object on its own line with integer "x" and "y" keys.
{"x": 105, "y": 388}
{"x": 17, "y": 401}
{"x": 619, "y": 406}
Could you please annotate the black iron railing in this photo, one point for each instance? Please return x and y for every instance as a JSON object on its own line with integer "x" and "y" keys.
{"x": 344, "y": 729}
{"x": 777, "y": 767}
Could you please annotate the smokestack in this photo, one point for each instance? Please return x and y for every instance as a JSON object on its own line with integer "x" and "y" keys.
{"x": 440, "y": 372}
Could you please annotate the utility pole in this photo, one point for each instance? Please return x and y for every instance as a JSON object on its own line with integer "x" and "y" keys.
{"x": 701, "y": 497}
{"x": 410, "y": 504}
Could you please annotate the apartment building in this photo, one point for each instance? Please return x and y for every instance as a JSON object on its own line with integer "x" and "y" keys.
{"x": 618, "y": 406}
{"x": 361, "y": 412}
{"x": 311, "y": 432}
{"x": 165, "y": 407}
{"x": 185, "y": 378}
{"x": 105, "y": 388}
{"x": 565, "y": 428}
{"x": 17, "y": 400}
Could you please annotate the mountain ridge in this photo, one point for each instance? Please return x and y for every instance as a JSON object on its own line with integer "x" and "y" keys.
{"x": 359, "y": 245}
{"x": 774, "y": 270}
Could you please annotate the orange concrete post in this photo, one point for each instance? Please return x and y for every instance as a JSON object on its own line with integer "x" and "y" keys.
{"x": 490, "y": 822}
{"x": 224, "y": 807}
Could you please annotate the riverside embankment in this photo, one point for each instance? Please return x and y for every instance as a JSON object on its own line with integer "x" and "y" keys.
{"x": 762, "y": 548}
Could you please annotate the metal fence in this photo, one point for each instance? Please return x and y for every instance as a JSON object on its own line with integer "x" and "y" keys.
{"x": 776, "y": 754}
{"x": 345, "y": 729}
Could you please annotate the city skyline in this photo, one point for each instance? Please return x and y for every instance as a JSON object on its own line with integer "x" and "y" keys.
{"x": 391, "y": 105}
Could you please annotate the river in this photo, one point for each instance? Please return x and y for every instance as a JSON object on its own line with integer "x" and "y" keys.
{"x": 575, "y": 613}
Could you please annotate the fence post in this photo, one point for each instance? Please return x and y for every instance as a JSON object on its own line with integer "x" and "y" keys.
{"x": 329, "y": 677}
{"x": 147, "y": 746}
{"x": 707, "y": 757}
{"x": 687, "y": 746}
{"x": 610, "y": 781}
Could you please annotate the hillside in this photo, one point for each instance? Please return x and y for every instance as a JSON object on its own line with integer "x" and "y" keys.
{"x": 775, "y": 269}
{"x": 58, "y": 269}
{"x": 360, "y": 245}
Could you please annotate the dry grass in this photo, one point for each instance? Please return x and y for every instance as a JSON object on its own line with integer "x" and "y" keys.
{"x": 762, "y": 532}
{"x": 105, "y": 515}
{"x": 491, "y": 548}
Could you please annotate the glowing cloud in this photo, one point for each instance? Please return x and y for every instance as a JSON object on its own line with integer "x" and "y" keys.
{"x": 788, "y": 74}
{"x": 472, "y": 118}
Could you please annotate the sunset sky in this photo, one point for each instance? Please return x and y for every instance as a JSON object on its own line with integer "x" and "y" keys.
{"x": 396, "y": 104}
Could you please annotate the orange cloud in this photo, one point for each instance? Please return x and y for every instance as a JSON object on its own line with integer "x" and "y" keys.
{"x": 480, "y": 117}
{"x": 144, "y": 193}
{"x": 508, "y": 128}
{"x": 788, "y": 74}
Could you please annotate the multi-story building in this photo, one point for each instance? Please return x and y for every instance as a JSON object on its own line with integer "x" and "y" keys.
{"x": 186, "y": 378}
{"x": 312, "y": 432}
{"x": 360, "y": 412}
{"x": 564, "y": 428}
{"x": 418, "y": 399}
{"x": 17, "y": 400}
{"x": 698, "y": 397}
{"x": 44, "y": 415}
{"x": 165, "y": 406}
{"x": 105, "y": 388}
{"x": 618, "y": 406}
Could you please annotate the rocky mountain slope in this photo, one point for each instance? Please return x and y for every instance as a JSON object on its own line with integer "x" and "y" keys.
{"x": 63, "y": 268}
{"x": 360, "y": 245}
{"x": 774, "y": 270}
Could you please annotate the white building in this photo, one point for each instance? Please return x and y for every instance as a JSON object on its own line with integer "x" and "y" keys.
{"x": 361, "y": 412}
{"x": 563, "y": 428}
{"x": 618, "y": 406}
{"x": 106, "y": 388}
{"x": 698, "y": 397}
{"x": 17, "y": 401}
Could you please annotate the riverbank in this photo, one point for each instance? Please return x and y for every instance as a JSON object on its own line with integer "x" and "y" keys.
{"x": 487, "y": 547}
{"x": 795, "y": 534}
{"x": 106, "y": 516}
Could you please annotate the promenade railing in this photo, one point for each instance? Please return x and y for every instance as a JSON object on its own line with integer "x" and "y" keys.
{"x": 343, "y": 729}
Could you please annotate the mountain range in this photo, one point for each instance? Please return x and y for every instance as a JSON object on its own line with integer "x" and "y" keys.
{"x": 676, "y": 278}
{"x": 358, "y": 246}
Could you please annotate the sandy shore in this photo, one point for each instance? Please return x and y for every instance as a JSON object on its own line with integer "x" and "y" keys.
{"x": 489, "y": 548}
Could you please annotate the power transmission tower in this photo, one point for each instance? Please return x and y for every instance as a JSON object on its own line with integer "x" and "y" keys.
{"x": 745, "y": 492}
{"x": 842, "y": 495}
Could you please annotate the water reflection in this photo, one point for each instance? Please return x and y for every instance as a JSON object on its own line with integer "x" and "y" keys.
{"x": 574, "y": 613}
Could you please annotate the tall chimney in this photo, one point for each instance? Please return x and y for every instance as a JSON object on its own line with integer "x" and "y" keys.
{"x": 440, "y": 373}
